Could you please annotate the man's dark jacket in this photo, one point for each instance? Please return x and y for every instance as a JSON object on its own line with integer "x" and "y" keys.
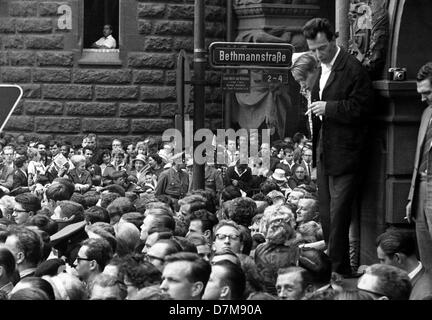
{"x": 349, "y": 97}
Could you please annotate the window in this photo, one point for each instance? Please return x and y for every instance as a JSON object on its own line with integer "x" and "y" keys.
{"x": 97, "y": 14}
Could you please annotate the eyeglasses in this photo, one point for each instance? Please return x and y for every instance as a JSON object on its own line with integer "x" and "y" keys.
{"x": 19, "y": 210}
{"x": 149, "y": 257}
{"x": 299, "y": 172}
{"x": 224, "y": 236}
{"x": 83, "y": 259}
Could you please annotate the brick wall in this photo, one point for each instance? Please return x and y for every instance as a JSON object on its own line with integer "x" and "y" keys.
{"x": 63, "y": 99}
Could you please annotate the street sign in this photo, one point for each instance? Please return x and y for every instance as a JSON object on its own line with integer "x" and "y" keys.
{"x": 236, "y": 82}
{"x": 10, "y": 96}
{"x": 271, "y": 77}
{"x": 244, "y": 55}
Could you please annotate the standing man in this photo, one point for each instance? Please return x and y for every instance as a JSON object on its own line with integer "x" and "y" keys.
{"x": 418, "y": 208}
{"x": 341, "y": 98}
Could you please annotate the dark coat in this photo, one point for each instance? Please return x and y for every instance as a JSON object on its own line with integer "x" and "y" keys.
{"x": 19, "y": 179}
{"x": 422, "y": 286}
{"x": 244, "y": 181}
{"x": 84, "y": 179}
{"x": 349, "y": 97}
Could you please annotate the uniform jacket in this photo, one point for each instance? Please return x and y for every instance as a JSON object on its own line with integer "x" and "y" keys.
{"x": 213, "y": 179}
{"x": 349, "y": 96}
{"x": 173, "y": 183}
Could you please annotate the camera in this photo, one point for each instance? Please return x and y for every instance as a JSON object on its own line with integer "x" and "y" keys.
{"x": 397, "y": 74}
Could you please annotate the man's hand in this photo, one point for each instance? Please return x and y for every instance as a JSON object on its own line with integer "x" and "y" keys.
{"x": 235, "y": 183}
{"x": 408, "y": 209}
{"x": 317, "y": 108}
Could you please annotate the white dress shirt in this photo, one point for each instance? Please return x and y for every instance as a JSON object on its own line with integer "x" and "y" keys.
{"x": 326, "y": 71}
{"x": 108, "y": 42}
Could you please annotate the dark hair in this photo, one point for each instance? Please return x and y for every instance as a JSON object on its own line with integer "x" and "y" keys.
{"x": 172, "y": 246}
{"x": 307, "y": 278}
{"x": 19, "y": 162}
{"x": 29, "y": 242}
{"x": 141, "y": 203}
{"x": 425, "y": 72}
{"x": 115, "y": 188}
{"x": 200, "y": 269}
{"x": 136, "y": 218}
{"x": 78, "y": 198}
{"x": 196, "y": 202}
{"x": 106, "y": 281}
{"x": 29, "y": 202}
{"x": 241, "y": 210}
{"x": 62, "y": 189}
{"x": 118, "y": 174}
{"x": 29, "y": 294}
{"x": 210, "y": 197}
{"x": 87, "y": 148}
{"x": 7, "y": 261}
{"x": 262, "y": 197}
{"x": 208, "y": 219}
{"x": 392, "y": 282}
{"x": 268, "y": 186}
{"x": 395, "y": 241}
{"x": 40, "y": 284}
{"x": 44, "y": 223}
{"x": 156, "y": 158}
{"x": 297, "y": 138}
{"x": 141, "y": 274}
{"x": 119, "y": 207}
{"x": 186, "y": 245}
{"x": 99, "y": 250}
{"x": 91, "y": 198}
{"x": 317, "y": 25}
{"x": 162, "y": 219}
{"x": 104, "y": 153}
{"x": 96, "y": 214}
{"x": 234, "y": 278}
{"x": 229, "y": 193}
{"x": 107, "y": 198}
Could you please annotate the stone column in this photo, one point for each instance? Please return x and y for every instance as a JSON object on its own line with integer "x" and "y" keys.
{"x": 342, "y": 23}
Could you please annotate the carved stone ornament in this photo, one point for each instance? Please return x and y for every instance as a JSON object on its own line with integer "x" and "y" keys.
{"x": 369, "y": 36}
{"x": 276, "y": 7}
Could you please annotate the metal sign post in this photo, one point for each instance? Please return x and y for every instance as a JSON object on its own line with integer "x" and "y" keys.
{"x": 183, "y": 89}
{"x": 10, "y": 95}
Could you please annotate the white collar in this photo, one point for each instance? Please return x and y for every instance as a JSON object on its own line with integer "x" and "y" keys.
{"x": 330, "y": 65}
{"x": 26, "y": 272}
{"x": 238, "y": 173}
{"x": 413, "y": 273}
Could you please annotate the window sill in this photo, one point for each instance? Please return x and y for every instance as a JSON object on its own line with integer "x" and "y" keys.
{"x": 100, "y": 57}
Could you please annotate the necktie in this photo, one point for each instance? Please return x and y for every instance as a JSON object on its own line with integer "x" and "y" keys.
{"x": 309, "y": 169}
{"x": 426, "y": 148}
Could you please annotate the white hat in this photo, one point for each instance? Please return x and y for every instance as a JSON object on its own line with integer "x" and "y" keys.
{"x": 279, "y": 175}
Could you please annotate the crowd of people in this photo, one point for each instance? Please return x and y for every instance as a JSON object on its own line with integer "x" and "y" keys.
{"x": 82, "y": 222}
